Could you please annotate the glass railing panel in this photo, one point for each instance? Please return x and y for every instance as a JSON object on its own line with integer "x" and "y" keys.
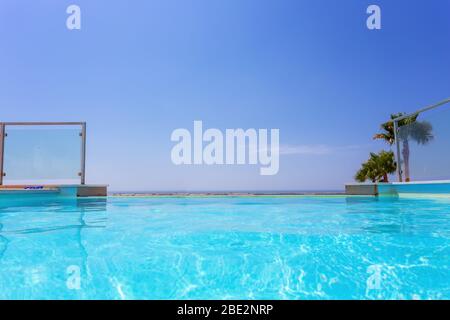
{"x": 42, "y": 154}
{"x": 425, "y": 145}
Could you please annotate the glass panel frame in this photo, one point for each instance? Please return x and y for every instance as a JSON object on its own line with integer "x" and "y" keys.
{"x": 417, "y": 136}
{"x": 81, "y": 153}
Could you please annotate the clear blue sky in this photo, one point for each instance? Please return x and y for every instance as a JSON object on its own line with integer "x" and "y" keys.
{"x": 139, "y": 69}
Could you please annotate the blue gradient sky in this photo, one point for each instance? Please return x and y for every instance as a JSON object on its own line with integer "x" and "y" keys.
{"x": 139, "y": 69}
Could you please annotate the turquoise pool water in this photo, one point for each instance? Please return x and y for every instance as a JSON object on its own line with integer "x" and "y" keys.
{"x": 225, "y": 248}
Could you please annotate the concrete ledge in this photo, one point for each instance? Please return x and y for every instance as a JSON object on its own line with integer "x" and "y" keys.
{"x": 441, "y": 187}
{"x": 92, "y": 191}
{"x": 416, "y": 187}
{"x": 366, "y": 189}
{"x": 58, "y": 190}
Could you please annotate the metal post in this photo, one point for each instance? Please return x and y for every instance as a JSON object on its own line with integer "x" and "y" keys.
{"x": 434, "y": 106}
{"x": 399, "y": 165}
{"x": 2, "y": 149}
{"x": 83, "y": 153}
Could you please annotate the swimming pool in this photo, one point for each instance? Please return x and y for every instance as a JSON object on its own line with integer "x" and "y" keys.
{"x": 303, "y": 247}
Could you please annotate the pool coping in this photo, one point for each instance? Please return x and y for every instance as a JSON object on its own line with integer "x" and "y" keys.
{"x": 228, "y": 195}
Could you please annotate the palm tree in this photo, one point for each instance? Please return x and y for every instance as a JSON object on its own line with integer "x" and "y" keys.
{"x": 377, "y": 167}
{"x": 418, "y": 131}
{"x": 365, "y": 173}
{"x": 388, "y": 134}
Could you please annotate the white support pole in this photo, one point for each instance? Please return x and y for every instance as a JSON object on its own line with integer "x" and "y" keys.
{"x": 398, "y": 158}
{"x": 2, "y": 151}
{"x": 83, "y": 153}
